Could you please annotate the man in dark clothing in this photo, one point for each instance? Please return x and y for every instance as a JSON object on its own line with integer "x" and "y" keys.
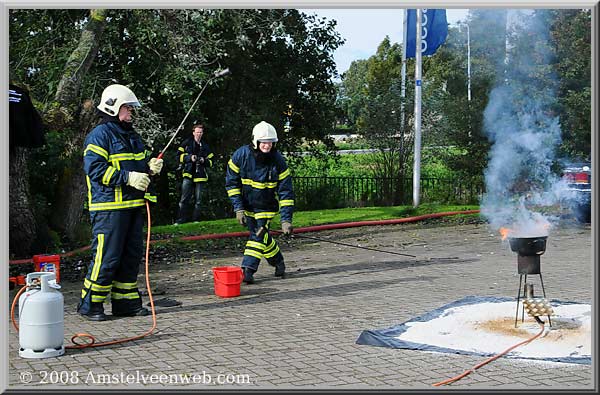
{"x": 116, "y": 168}
{"x": 194, "y": 156}
{"x": 259, "y": 184}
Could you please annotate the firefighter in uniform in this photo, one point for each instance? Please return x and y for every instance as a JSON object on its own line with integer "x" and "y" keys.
{"x": 259, "y": 184}
{"x": 117, "y": 175}
{"x": 194, "y": 156}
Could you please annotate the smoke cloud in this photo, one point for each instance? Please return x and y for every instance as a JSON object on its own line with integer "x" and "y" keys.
{"x": 518, "y": 120}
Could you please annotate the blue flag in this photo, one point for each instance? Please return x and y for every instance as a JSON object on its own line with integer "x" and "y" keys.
{"x": 434, "y": 31}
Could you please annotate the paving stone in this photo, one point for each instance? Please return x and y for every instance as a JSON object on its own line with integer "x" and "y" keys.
{"x": 300, "y": 332}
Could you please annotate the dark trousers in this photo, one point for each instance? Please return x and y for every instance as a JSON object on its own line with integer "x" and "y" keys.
{"x": 117, "y": 249}
{"x": 260, "y": 247}
{"x": 190, "y": 188}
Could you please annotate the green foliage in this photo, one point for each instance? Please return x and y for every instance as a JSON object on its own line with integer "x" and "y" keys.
{"x": 571, "y": 35}
{"x": 277, "y": 58}
{"x": 360, "y": 165}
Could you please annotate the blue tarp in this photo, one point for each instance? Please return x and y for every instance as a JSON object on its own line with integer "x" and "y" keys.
{"x": 388, "y": 337}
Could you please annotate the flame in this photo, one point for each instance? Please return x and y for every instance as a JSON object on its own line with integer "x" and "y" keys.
{"x": 504, "y": 232}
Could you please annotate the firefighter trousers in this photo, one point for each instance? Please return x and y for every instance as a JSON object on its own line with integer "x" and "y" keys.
{"x": 117, "y": 249}
{"x": 260, "y": 247}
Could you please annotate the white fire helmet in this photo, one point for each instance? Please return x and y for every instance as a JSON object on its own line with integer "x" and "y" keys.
{"x": 264, "y": 132}
{"x": 114, "y": 96}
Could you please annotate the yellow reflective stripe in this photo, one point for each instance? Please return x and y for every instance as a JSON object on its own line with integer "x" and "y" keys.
{"x": 249, "y": 213}
{"x": 210, "y": 155}
{"x": 284, "y": 174}
{"x": 234, "y": 191}
{"x": 188, "y": 175}
{"x": 266, "y": 214}
{"x": 98, "y": 260}
{"x": 118, "y": 194}
{"x": 181, "y": 157}
{"x": 181, "y": 149}
{"x": 96, "y": 287}
{"x": 273, "y": 244}
{"x": 97, "y": 150}
{"x": 108, "y": 174}
{"x": 124, "y": 285}
{"x": 255, "y": 244}
{"x": 253, "y": 253}
{"x": 258, "y": 185}
{"x": 117, "y": 205}
{"x": 200, "y": 179}
{"x": 283, "y": 203}
{"x": 127, "y": 156}
{"x": 232, "y": 166}
{"x": 131, "y": 295}
{"x": 89, "y": 186}
{"x": 272, "y": 253}
{"x": 98, "y": 298}
{"x": 150, "y": 197}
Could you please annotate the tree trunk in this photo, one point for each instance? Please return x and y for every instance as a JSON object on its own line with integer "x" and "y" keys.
{"x": 22, "y": 226}
{"x": 71, "y": 186}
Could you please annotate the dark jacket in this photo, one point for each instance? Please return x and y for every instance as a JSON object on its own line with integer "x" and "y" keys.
{"x": 110, "y": 153}
{"x": 195, "y": 170}
{"x": 260, "y": 187}
{"x": 25, "y": 124}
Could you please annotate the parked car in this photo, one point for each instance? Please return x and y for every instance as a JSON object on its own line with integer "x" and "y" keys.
{"x": 578, "y": 196}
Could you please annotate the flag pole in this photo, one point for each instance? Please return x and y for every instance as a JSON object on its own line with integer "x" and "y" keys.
{"x": 403, "y": 86}
{"x": 417, "y": 155}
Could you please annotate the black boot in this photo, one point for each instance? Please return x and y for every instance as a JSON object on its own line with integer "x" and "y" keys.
{"x": 141, "y": 312}
{"x": 280, "y": 269}
{"x": 248, "y": 275}
{"x": 96, "y": 312}
{"x": 196, "y": 214}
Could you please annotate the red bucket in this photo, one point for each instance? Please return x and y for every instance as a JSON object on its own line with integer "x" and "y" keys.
{"x": 227, "y": 281}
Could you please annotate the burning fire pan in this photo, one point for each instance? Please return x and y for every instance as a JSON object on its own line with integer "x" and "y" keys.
{"x": 528, "y": 246}
{"x": 529, "y": 250}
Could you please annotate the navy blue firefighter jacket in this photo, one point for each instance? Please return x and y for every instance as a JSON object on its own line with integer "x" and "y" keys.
{"x": 110, "y": 153}
{"x": 194, "y": 170}
{"x": 261, "y": 189}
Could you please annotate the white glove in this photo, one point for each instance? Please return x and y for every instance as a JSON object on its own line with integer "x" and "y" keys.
{"x": 155, "y": 165}
{"x": 287, "y": 228}
{"x": 139, "y": 181}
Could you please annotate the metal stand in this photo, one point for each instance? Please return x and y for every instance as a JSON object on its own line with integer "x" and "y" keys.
{"x": 521, "y": 283}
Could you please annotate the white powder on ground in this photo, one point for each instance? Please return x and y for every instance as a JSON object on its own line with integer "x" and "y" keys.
{"x": 489, "y": 328}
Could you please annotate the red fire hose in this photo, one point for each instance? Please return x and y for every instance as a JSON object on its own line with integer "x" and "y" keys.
{"x": 314, "y": 228}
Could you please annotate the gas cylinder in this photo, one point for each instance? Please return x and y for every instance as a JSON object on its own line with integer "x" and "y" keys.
{"x": 41, "y": 317}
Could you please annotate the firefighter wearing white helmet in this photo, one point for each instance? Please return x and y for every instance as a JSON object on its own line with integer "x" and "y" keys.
{"x": 117, "y": 174}
{"x": 265, "y": 132}
{"x": 114, "y": 96}
{"x": 259, "y": 185}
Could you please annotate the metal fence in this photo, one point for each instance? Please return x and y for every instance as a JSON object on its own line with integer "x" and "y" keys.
{"x": 337, "y": 192}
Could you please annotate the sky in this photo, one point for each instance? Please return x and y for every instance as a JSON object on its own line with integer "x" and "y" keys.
{"x": 364, "y": 29}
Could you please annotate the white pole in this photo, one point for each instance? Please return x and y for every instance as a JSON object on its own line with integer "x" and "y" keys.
{"x": 403, "y": 86}
{"x": 469, "y": 61}
{"x": 417, "y": 162}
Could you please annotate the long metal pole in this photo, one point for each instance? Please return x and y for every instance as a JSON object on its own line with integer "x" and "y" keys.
{"x": 417, "y": 159}
{"x": 217, "y": 74}
{"x": 468, "y": 61}
{"x": 403, "y": 70}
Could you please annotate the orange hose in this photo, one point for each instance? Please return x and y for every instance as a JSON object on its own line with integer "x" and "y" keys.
{"x": 469, "y": 371}
{"x": 92, "y": 342}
